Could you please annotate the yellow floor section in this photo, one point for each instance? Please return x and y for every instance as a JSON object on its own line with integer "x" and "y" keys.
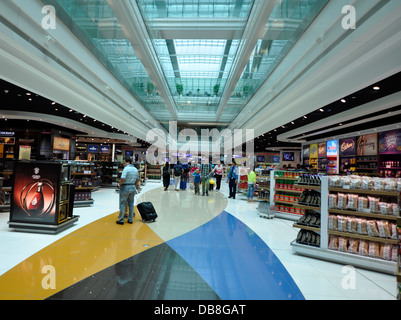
{"x": 76, "y": 256}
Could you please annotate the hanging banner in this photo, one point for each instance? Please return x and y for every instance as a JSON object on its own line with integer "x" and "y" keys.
{"x": 24, "y": 153}
{"x": 347, "y": 147}
{"x": 305, "y": 152}
{"x": 93, "y": 148}
{"x": 390, "y": 141}
{"x": 332, "y": 148}
{"x": 367, "y": 145}
{"x": 62, "y": 144}
{"x": 313, "y": 151}
{"x": 322, "y": 150}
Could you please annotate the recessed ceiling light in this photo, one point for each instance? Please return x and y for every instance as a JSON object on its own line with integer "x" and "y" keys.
{"x": 28, "y": 93}
{"x": 305, "y": 117}
{"x": 292, "y": 122}
{"x": 343, "y": 100}
{"x": 340, "y": 124}
{"x": 53, "y": 103}
{"x": 322, "y": 110}
{"x": 71, "y": 110}
{"x": 376, "y": 88}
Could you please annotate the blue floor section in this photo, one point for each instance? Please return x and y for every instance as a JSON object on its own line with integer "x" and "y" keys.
{"x": 235, "y": 262}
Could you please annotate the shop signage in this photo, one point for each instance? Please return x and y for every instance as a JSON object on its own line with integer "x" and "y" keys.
{"x": 347, "y": 147}
{"x": 62, "y": 144}
{"x": 276, "y": 159}
{"x": 105, "y": 149}
{"x": 322, "y": 150}
{"x": 93, "y": 148}
{"x": 332, "y": 148}
{"x": 7, "y": 133}
{"x": 305, "y": 153}
{"x": 7, "y": 140}
{"x": 313, "y": 151}
{"x": 390, "y": 141}
{"x": 367, "y": 145}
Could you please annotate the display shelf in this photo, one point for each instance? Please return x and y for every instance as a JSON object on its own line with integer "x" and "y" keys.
{"x": 306, "y": 227}
{"x": 289, "y": 191}
{"x": 308, "y": 186}
{"x": 362, "y": 237}
{"x": 307, "y": 206}
{"x": 363, "y": 214}
{"x": 154, "y": 172}
{"x": 43, "y": 228}
{"x": 82, "y": 175}
{"x": 370, "y": 192}
{"x": 83, "y": 203}
{"x": 372, "y": 261}
{"x": 344, "y": 258}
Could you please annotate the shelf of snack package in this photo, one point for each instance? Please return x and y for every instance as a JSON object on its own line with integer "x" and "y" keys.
{"x": 242, "y": 186}
{"x": 398, "y": 275}
{"x": 359, "y": 218}
{"x": 154, "y": 172}
{"x": 142, "y": 173}
{"x": 262, "y": 189}
{"x": 309, "y": 201}
{"x": 284, "y": 194}
{"x": 82, "y": 174}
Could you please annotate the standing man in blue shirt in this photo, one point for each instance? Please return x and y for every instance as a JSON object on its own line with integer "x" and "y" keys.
{"x": 128, "y": 183}
{"x": 232, "y": 179}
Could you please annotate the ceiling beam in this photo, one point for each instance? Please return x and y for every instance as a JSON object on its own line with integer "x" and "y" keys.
{"x": 130, "y": 19}
{"x": 328, "y": 63}
{"x": 53, "y": 63}
{"x": 260, "y": 13}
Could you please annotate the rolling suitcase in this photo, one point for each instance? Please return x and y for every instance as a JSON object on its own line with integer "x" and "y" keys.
{"x": 147, "y": 211}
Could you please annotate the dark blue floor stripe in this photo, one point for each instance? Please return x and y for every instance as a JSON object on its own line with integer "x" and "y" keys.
{"x": 235, "y": 261}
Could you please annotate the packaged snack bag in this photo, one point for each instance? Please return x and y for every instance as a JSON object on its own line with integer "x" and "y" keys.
{"x": 372, "y": 228}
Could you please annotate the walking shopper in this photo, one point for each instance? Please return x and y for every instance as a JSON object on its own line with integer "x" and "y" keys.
{"x": 232, "y": 180}
{"x": 128, "y": 183}
{"x": 197, "y": 180}
{"x": 251, "y": 185}
{"x": 206, "y": 169}
{"x": 218, "y": 173}
{"x": 166, "y": 176}
{"x": 177, "y": 175}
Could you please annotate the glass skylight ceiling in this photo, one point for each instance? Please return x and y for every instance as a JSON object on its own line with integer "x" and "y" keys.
{"x": 196, "y": 42}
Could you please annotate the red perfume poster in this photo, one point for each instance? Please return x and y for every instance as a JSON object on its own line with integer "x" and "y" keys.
{"x": 35, "y": 192}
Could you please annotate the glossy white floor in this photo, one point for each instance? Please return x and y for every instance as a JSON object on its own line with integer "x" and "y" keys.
{"x": 316, "y": 279}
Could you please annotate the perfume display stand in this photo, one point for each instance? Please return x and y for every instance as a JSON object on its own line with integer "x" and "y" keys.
{"x": 42, "y": 197}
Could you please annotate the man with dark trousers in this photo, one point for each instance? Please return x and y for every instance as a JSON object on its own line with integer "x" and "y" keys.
{"x": 232, "y": 180}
